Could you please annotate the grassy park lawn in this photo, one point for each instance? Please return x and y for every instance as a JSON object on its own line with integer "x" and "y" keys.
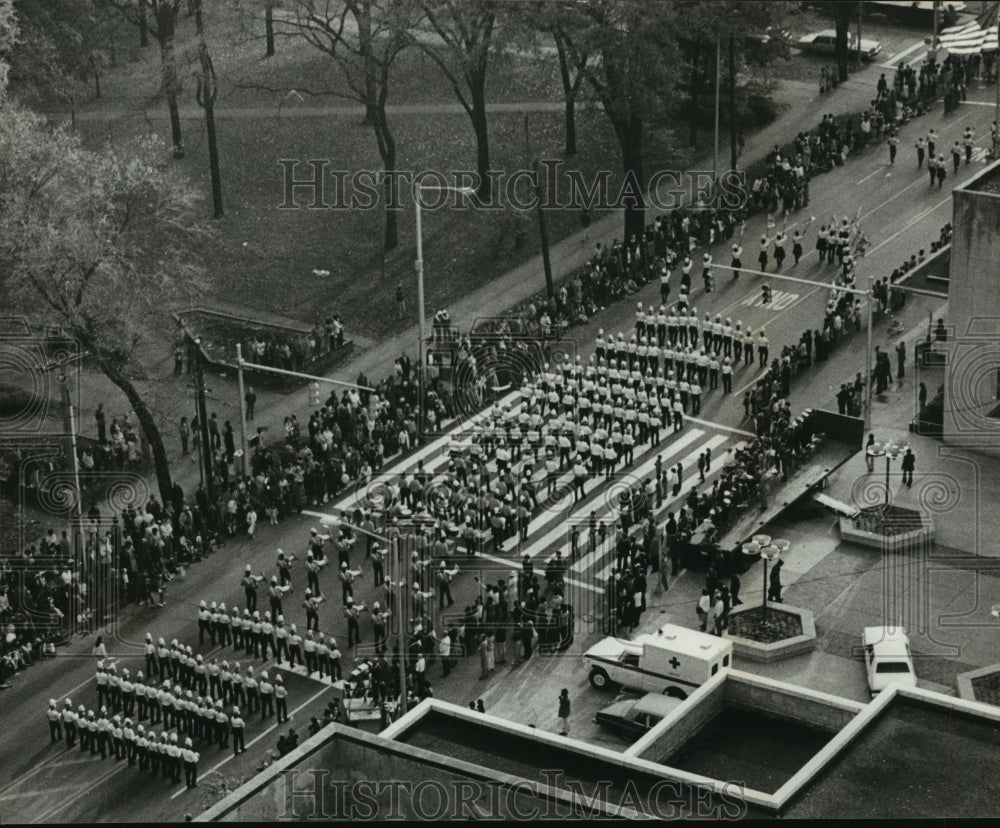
{"x": 264, "y": 256}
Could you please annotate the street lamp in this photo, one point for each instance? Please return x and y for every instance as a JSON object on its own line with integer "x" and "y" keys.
{"x": 419, "y": 263}
{"x": 890, "y": 450}
{"x": 336, "y": 522}
{"x": 768, "y": 550}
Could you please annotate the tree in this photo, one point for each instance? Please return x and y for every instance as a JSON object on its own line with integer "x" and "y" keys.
{"x": 546, "y": 18}
{"x": 842, "y": 14}
{"x": 61, "y": 43}
{"x": 572, "y": 79}
{"x": 8, "y": 39}
{"x": 206, "y": 93}
{"x": 364, "y": 38}
{"x": 464, "y": 32}
{"x": 99, "y": 242}
{"x": 633, "y": 75}
{"x": 751, "y": 33}
{"x": 269, "y": 28}
{"x": 162, "y": 27}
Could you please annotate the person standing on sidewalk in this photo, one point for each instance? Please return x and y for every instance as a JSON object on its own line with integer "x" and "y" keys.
{"x": 185, "y": 433}
{"x": 564, "y": 710}
{"x": 900, "y": 361}
{"x": 909, "y": 464}
{"x": 774, "y": 589}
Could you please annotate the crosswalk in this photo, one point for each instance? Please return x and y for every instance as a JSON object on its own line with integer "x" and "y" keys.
{"x": 898, "y": 57}
{"x": 552, "y": 524}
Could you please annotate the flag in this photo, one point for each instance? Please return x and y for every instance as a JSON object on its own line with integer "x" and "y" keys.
{"x": 988, "y": 21}
{"x": 964, "y": 39}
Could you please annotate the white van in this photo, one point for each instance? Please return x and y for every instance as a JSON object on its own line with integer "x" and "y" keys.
{"x": 674, "y": 660}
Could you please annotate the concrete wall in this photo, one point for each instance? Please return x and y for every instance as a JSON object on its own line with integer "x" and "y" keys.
{"x": 346, "y": 774}
{"x": 697, "y": 712}
{"x": 973, "y": 321}
{"x": 785, "y": 702}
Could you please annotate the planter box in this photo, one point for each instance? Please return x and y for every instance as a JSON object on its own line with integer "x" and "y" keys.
{"x": 889, "y": 543}
{"x": 776, "y": 651}
{"x": 967, "y": 683}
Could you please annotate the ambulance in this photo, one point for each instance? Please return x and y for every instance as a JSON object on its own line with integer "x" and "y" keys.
{"x": 674, "y": 660}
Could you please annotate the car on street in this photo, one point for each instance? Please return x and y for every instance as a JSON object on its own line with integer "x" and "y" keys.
{"x": 632, "y": 717}
{"x": 825, "y": 43}
{"x": 888, "y": 659}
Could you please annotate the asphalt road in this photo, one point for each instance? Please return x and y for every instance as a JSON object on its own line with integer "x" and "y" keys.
{"x": 899, "y": 213}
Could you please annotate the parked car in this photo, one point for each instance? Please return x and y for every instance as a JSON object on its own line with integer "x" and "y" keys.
{"x": 825, "y": 43}
{"x": 633, "y": 717}
{"x": 917, "y": 12}
{"x": 888, "y": 658}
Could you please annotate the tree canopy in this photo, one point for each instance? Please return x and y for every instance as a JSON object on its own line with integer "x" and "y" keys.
{"x": 98, "y": 242}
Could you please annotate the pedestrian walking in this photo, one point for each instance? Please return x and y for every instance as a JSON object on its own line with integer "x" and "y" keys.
{"x": 185, "y": 433}
{"x": 703, "y": 608}
{"x": 564, "y": 709}
{"x": 774, "y": 588}
{"x": 900, "y": 361}
{"x": 893, "y": 142}
{"x": 400, "y": 300}
{"x": 250, "y": 398}
{"x": 921, "y": 146}
{"x": 909, "y": 464}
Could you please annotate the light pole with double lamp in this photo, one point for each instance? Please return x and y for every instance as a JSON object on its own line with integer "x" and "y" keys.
{"x": 418, "y": 264}
{"x": 336, "y": 522}
{"x": 762, "y": 546}
{"x": 890, "y": 450}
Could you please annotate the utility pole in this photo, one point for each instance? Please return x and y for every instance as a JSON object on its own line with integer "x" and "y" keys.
{"x": 860, "y": 8}
{"x": 199, "y": 395}
{"x": 868, "y": 359}
{"x": 732, "y": 102}
{"x": 70, "y": 421}
{"x": 543, "y": 232}
{"x": 718, "y": 90}
{"x": 243, "y": 409}
{"x": 543, "y": 229}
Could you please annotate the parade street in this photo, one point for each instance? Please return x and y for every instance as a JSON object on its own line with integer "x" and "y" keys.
{"x": 892, "y": 205}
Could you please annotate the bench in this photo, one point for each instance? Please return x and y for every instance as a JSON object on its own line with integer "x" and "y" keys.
{"x": 838, "y": 506}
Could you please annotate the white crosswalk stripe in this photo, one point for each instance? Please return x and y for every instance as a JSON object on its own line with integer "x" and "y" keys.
{"x": 898, "y": 56}
{"x": 549, "y": 528}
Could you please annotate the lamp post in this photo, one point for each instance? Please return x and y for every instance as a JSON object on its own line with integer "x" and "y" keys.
{"x": 890, "y": 450}
{"x": 336, "y": 522}
{"x": 418, "y": 264}
{"x": 769, "y": 552}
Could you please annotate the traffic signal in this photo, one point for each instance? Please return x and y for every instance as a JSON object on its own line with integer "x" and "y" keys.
{"x": 765, "y": 294}
{"x": 314, "y": 399}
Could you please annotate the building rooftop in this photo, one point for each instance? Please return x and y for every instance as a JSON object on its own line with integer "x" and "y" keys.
{"x": 740, "y": 746}
{"x": 917, "y": 758}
